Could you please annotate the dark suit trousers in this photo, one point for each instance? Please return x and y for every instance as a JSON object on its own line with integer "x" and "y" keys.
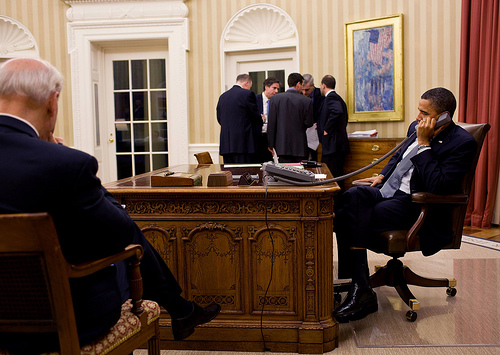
{"x": 335, "y": 163}
{"x": 360, "y": 213}
{"x": 159, "y": 284}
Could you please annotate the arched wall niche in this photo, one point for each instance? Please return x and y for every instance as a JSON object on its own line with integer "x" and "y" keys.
{"x": 258, "y": 28}
{"x": 16, "y": 40}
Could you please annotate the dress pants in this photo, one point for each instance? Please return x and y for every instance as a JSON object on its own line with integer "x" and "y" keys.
{"x": 159, "y": 284}
{"x": 335, "y": 163}
{"x": 360, "y": 213}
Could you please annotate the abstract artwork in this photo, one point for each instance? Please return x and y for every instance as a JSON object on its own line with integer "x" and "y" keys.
{"x": 374, "y": 69}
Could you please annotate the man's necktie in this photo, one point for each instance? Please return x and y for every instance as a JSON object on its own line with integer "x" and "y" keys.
{"x": 267, "y": 109}
{"x": 393, "y": 183}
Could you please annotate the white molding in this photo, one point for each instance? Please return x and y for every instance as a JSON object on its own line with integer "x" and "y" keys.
{"x": 170, "y": 29}
{"x": 262, "y": 25}
{"x": 16, "y": 40}
{"x": 104, "y": 10}
{"x": 258, "y": 27}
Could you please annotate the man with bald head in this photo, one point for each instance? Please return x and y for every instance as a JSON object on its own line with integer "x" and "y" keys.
{"x": 40, "y": 174}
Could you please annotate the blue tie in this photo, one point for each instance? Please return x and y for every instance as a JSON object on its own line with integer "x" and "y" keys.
{"x": 267, "y": 108}
{"x": 393, "y": 183}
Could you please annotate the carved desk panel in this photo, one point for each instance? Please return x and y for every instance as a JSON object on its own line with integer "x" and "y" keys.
{"x": 225, "y": 244}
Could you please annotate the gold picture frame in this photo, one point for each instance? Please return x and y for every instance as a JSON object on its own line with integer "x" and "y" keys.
{"x": 374, "y": 69}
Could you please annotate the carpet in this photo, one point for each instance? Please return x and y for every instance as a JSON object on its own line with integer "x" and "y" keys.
{"x": 471, "y": 318}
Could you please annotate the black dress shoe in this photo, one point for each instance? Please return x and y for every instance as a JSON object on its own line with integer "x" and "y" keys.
{"x": 360, "y": 302}
{"x": 184, "y": 327}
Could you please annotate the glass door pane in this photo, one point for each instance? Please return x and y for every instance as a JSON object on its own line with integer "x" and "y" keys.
{"x": 140, "y": 115}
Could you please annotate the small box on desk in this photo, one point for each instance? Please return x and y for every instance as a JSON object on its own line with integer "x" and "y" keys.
{"x": 168, "y": 178}
{"x": 221, "y": 178}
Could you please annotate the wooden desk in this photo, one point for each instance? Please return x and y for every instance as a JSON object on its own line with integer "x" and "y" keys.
{"x": 217, "y": 244}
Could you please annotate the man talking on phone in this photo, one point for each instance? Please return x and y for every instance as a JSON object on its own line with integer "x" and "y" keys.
{"x": 435, "y": 161}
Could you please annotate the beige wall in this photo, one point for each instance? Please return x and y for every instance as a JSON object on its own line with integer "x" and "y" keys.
{"x": 431, "y": 50}
{"x": 46, "y": 20}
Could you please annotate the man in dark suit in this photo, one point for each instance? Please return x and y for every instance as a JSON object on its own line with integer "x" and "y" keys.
{"x": 40, "y": 174}
{"x": 332, "y": 123}
{"x": 271, "y": 88}
{"x": 240, "y": 122}
{"x": 314, "y": 93}
{"x": 290, "y": 114}
{"x": 438, "y": 159}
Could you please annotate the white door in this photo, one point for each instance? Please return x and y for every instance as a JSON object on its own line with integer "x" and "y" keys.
{"x": 136, "y": 127}
{"x": 260, "y": 65}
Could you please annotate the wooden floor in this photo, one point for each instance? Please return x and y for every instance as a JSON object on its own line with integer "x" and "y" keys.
{"x": 492, "y": 233}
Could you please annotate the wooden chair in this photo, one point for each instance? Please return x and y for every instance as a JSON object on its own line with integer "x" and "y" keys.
{"x": 35, "y": 292}
{"x": 204, "y": 158}
{"x": 398, "y": 242}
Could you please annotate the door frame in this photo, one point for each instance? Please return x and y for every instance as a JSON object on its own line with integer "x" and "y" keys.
{"x": 82, "y": 37}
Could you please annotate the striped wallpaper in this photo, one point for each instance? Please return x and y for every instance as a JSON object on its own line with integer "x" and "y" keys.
{"x": 46, "y": 20}
{"x": 431, "y": 49}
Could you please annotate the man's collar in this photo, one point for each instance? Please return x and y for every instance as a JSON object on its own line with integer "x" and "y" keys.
{"x": 22, "y": 120}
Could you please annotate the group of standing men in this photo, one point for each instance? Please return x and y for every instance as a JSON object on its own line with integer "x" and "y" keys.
{"x": 289, "y": 124}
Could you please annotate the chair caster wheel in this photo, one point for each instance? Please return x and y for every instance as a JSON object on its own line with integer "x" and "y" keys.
{"x": 450, "y": 291}
{"x": 411, "y": 316}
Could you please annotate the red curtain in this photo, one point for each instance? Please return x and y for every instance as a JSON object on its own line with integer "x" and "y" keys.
{"x": 479, "y": 99}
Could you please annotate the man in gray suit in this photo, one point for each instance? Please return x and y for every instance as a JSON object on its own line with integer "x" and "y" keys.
{"x": 290, "y": 114}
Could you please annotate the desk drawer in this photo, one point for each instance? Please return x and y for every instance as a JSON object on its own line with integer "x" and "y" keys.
{"x": 365, "y": 151}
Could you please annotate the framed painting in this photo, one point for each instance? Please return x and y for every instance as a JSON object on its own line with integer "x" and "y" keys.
{"x": 374, "y": 69}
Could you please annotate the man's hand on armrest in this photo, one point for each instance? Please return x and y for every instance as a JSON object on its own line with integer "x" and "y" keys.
{"x": 370, "y": 181}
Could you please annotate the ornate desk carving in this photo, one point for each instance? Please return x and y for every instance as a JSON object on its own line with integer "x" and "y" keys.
{"x": 220, "y": 246}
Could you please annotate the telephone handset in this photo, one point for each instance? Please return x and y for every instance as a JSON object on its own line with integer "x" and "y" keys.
{"x": 442, "y": 119}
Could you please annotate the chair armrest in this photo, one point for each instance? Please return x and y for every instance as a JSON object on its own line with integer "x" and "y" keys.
{"x": 87, "y": 268}
{"x": 427, "y": 197}
{"x": 133, "y": 252}
{"x": 360, "y": 183}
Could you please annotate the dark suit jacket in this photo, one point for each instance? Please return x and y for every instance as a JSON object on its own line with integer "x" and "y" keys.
{"x": 37, "y": 176}
{"x": 290, "y": 113}
{"x": 317, "y": 100}
{"x": 439, "y": 170}
{"x": 333, "y": 120}
{"x": 239, "y": 119}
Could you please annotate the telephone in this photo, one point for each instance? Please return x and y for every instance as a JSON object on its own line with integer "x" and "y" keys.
{"x": 442, "y": 119}
{"x": 288, "y": 172}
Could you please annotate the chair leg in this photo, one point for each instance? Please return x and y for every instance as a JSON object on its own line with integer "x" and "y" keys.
{"x": 154, "y": 342}
{"x": 414, "y": 279}
{"x": 379, "y": 277}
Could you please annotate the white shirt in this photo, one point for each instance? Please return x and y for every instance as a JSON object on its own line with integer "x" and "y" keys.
{"x": 329, "y": 91}
{"x": 265, "y": 104}
{"x": 405, "y": 180}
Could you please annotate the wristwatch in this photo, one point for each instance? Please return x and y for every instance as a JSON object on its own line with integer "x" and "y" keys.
{"x": 422, "y": 146}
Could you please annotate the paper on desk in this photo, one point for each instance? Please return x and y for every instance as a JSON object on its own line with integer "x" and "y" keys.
{"x": 370, "y": 133}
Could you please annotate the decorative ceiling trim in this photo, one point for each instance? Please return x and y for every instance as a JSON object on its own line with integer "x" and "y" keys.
{"x": 260, "y": 25}
{"x": 105, "y": 10}
{"x": 15, "y": 39}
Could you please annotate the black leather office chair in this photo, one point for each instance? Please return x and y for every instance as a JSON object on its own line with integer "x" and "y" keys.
{"x": 398, "y": 242}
